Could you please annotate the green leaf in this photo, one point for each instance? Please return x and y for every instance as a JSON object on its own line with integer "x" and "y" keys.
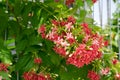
{"x": 29, "y": 65}
{"x": 22, "y": 62}
{"x": 88, "y": 20}
{"x": 6, "y": 56}
{"x": 95, "y": 28}
{"x": 35, "y": 19}
{"x": 55, "y": 59}
{"x": 46, "y": 60}
{"x": 80, "y": 38}
{"x": 3, "y": 21}
{"x": 19, "y": 5}
{"x": 76, "y": 31}
{"x": 21, "y": 45}
{"x": 71, "y": 72}
{"x": 79, "y": 3}
{"x": 1, "y": 43}
{"x": 4, "y": 75}
{"x": 25, "y": 12}
{"x": 81, "y": 15}
{"x": 14, "y": 28}
{"x": 10, "y": 44}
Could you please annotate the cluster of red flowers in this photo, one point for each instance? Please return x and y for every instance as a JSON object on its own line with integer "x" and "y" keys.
{"x": 64, "y": 38}
{"x": 93, "y": 75}
{"x": 81, "y": 56}
{"x": 34, "y": 76}
{"x": 3, "y": 67}
{"x": 37, "y": 60}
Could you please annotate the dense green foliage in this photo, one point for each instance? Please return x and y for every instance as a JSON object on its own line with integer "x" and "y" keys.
{"x": 20, "y": 42}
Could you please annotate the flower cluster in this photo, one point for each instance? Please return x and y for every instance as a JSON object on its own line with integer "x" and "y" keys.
{"x": 82, "y": 56}
{"x": 93, "y": 75}
{"x": 34, "y": 76}
{"x": 3, "y": 67}
{"x": 37, "y": 60}
{"x": 66, "y": 35}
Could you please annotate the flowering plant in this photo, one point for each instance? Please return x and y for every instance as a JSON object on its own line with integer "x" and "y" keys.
{"x": 53, "y": 41}
{"x": 80, "y": 46}
{"x": 75, "y": 42}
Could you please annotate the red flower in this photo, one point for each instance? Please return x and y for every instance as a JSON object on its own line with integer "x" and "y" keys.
{"x": 3, "y": 67}
{"x": 37, "y": 60}
{"x": 85, "y": 25}
{"x": 117, "y": 76}
{"x": 62, "y": 23}
{"x": 34, "y": 76}
{"x": 28, "y": 75}
{"x": 69, "y": 26}
{"x": 99, "y": 54}
{"x": 41, "y": 29}
{"x": 86, "y": 38}
{"x": 86, "y": 28}
{"x": 71, "y": 40}
{"x": 41, "y": 77}
{"x": 105, "y": 71}
{"x": 106, "y": 43}
{"x": 43, "y": 35}
{"x": 75, "y": 60}
{"x": 71, "y": 19}
{"x": 55, "y": 22}
{"x": 94, "y": 1}
{"x": 93, "y": 75}
{"x": 60, "y": 51}
{"x": 53, "y": 35}
{"x": 97, "y": 40}
{"x": 114, "y": 61}
{"x": 69, "y": 2}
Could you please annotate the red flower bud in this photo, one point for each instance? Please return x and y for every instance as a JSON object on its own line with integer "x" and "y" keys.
{"x": 37, "y": 60}
{"x": 42, "y": 29}
{"x": 106, "y": 43}
{"x": 114, "y": 61}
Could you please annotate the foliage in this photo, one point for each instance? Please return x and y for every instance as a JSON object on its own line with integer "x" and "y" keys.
{"x": 112, "y": 30}
{"x": 24, "y": 54}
